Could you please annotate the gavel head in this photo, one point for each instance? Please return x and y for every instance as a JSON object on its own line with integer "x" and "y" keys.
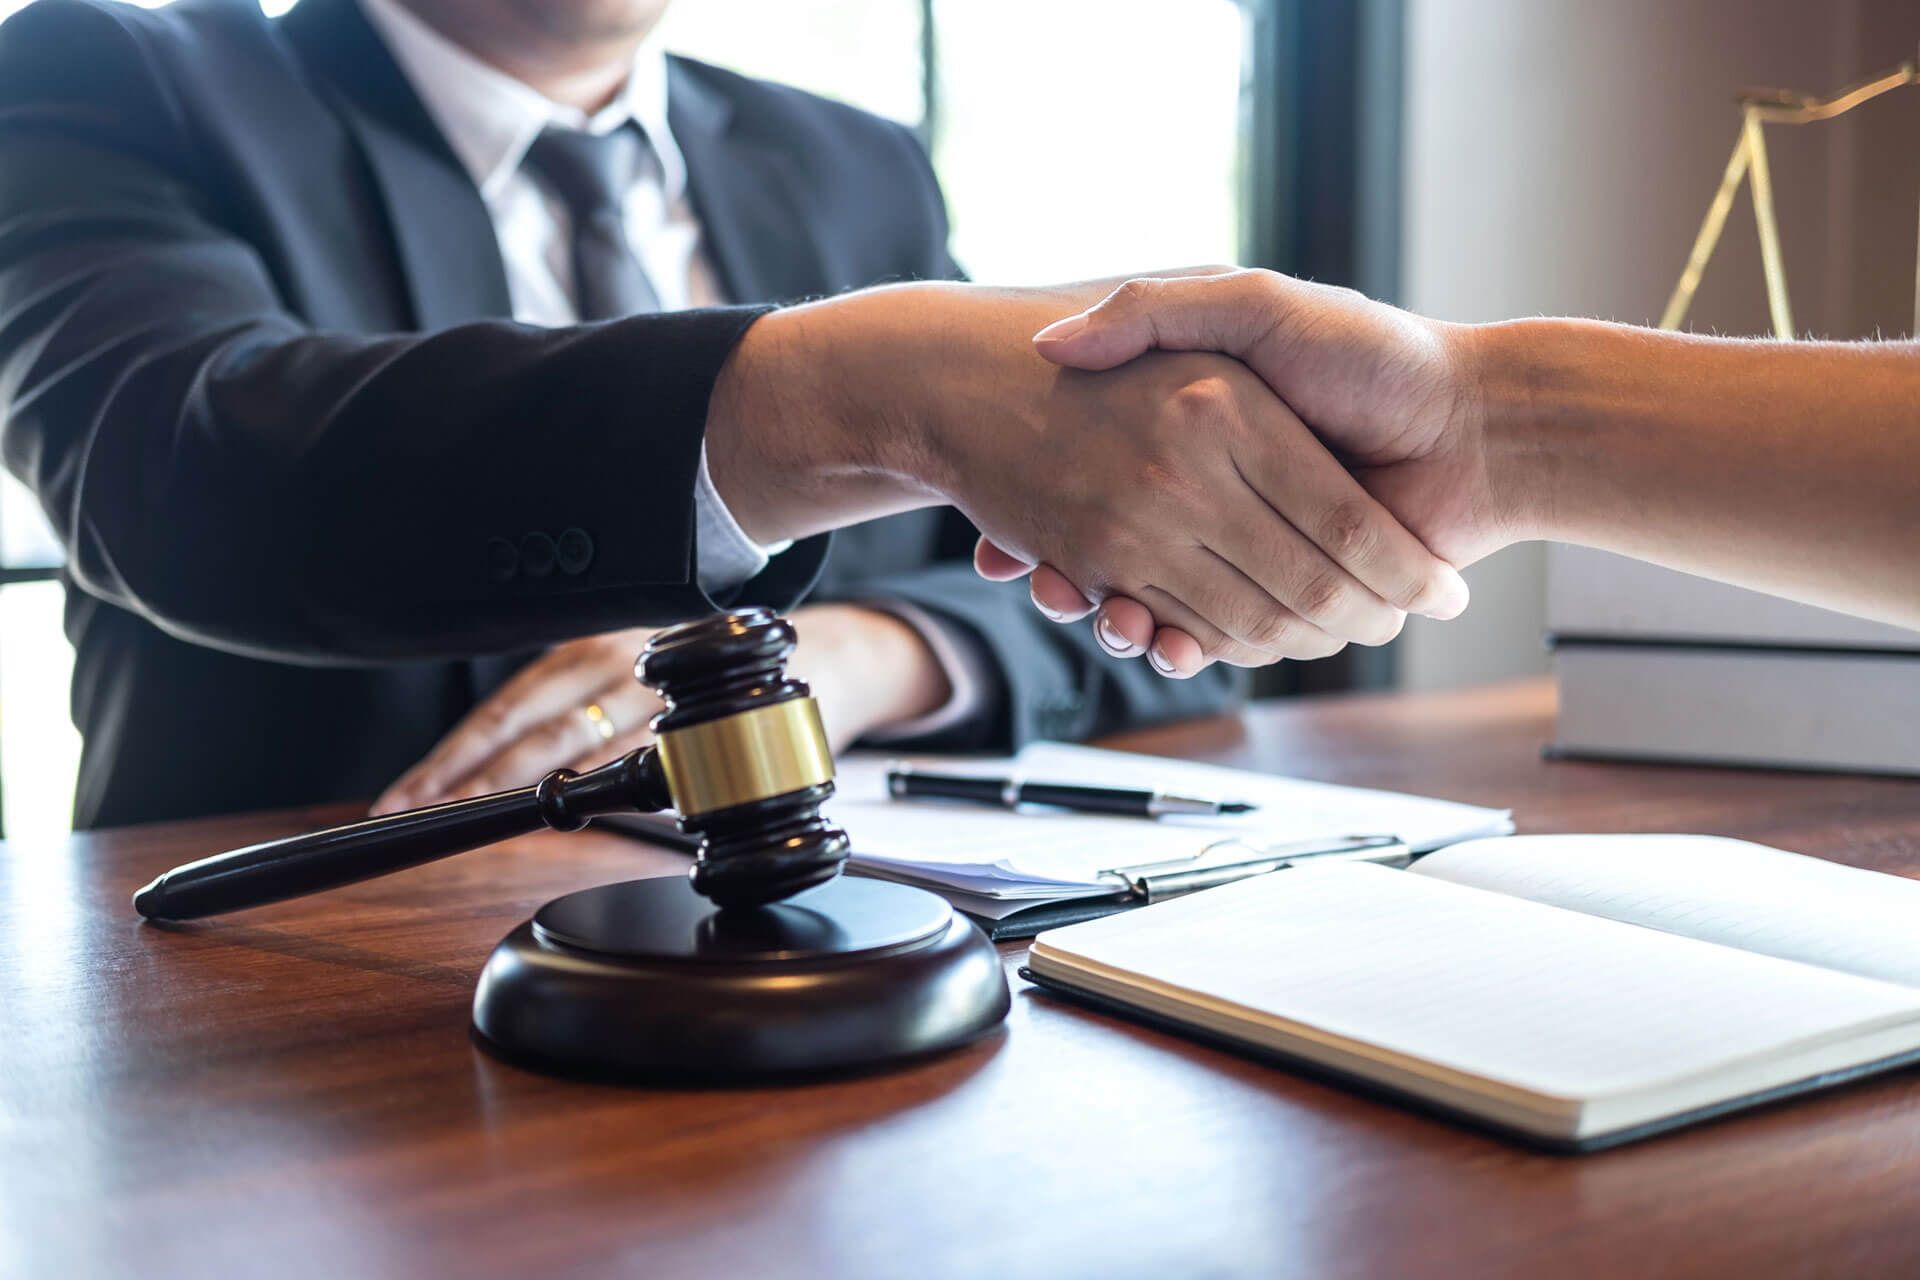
{"x": 745, "y": 757}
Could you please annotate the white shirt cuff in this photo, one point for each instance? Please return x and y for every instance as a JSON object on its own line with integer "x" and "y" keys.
{"x": 724, "y": 556}
{"x": 968, "y": 671}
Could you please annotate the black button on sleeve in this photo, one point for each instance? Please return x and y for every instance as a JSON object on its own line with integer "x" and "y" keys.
{"x": 576, "y": 552}
{"x": 503, "y": 562}
{"x": 537, "y": 555}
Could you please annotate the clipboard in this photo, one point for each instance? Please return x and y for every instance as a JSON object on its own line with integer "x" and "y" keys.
{"x": 1138, "y": 885}
{"x": 1220, "y": 863}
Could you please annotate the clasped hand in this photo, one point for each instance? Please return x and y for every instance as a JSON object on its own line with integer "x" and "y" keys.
{"x": 1366, "y": 448}
{"x": 868, "y": 669}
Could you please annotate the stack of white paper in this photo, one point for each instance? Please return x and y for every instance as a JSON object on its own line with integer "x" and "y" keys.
{"x": 1015, "y": 858}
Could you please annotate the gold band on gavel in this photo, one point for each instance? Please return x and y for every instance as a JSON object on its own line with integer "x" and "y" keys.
{"x": 768, "y": 751}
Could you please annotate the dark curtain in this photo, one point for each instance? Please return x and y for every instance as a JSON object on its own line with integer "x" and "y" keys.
{"x": 1321, "y": 154}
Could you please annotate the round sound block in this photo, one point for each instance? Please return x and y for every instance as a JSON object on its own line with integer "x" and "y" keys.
{"x": 648, "y": 978}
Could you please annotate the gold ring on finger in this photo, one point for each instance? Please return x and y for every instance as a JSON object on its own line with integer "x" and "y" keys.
{"x": 600, "y": 722}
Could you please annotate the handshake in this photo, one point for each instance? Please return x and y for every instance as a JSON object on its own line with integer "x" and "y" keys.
{"x": 1230, "y": 465}
{"x": 1236, "y": 466}
{"x": 1359, "y": 427}
{"x": 1240, "y": 467}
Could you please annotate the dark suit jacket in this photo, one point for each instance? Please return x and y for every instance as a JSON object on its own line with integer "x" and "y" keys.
{"x": 254, "y": 362}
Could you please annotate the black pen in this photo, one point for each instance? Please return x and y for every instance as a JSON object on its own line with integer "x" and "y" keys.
{"x": 907, "y": 783}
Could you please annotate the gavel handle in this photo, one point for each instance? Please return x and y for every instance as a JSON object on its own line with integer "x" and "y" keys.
{"x": 292, "y": 868}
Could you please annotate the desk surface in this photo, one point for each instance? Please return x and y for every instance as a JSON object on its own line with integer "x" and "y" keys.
{"x": 294, "y": 1089}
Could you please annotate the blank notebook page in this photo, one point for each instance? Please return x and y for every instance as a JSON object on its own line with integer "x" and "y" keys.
{"x": 1550, "y": 1002}
{"x": 1726, "y": 891}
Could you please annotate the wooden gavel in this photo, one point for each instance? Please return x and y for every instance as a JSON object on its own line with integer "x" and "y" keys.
{"x": 740, "y": 754}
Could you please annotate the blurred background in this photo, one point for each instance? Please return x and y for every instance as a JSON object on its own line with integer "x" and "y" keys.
{"x": 1474, "y": 160}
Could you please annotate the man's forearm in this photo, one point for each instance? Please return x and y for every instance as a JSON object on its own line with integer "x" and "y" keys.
{"x": 832, "y": 413}
{"x": 801, "y": 438}
{"x": 1789, "y": 467}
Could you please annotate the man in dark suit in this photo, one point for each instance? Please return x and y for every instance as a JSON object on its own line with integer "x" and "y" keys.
{"x": 336, "y": 191}
{"x": 258, "y": 359}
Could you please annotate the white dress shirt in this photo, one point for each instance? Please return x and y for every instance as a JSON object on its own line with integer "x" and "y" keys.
{"x": 490, "y": 119}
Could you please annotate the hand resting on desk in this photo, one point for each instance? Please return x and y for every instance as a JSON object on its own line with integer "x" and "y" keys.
{"x": 868, "y": 669}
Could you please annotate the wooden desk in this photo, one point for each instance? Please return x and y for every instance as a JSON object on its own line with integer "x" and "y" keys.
{"x": 293, "y": 1091}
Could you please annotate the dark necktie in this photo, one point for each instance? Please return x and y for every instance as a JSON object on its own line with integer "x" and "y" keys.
{"x": 591, "y": 174}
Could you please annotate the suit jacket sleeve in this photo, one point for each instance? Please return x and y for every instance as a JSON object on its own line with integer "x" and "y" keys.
{"x": 1054, "y": 680}
{"x": 216, "y": 466}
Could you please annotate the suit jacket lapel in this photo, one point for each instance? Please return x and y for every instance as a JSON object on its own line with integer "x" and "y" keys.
{"x": 742, "y": 186}
{"x": 448, "y": 253}
{"x": 441, "y": 229}
{"x": 745, "y": 192}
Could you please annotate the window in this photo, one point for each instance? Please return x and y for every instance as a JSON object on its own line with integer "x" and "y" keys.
{"x": 1074, "y": 138}
{"x": 1081, "y": 138}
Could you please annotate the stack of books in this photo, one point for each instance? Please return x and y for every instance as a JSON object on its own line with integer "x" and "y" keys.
{"x": 1658, "y": 665}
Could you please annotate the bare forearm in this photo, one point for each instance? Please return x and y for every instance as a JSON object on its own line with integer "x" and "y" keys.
{"x": 831, "y": 413}
{"x": 869, "y": 669}
{"x": 1790, "y": 467}
{"x": 799, "y": 439}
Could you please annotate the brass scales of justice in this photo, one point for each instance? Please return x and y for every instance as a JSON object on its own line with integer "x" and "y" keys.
{"x": 1760, "y": 107}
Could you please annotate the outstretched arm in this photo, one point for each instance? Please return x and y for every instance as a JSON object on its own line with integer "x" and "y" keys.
{"x": 1792, "y": 468}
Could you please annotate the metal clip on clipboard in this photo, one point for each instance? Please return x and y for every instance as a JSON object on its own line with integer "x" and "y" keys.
{"x": 1225, "y": 861}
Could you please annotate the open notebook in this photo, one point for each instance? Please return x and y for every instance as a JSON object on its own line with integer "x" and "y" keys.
{"x": 1577, "y": 991}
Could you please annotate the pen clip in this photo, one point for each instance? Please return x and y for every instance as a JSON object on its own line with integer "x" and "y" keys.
{"x": 898, "y": 771}
{"x": 1157, "y": 881}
